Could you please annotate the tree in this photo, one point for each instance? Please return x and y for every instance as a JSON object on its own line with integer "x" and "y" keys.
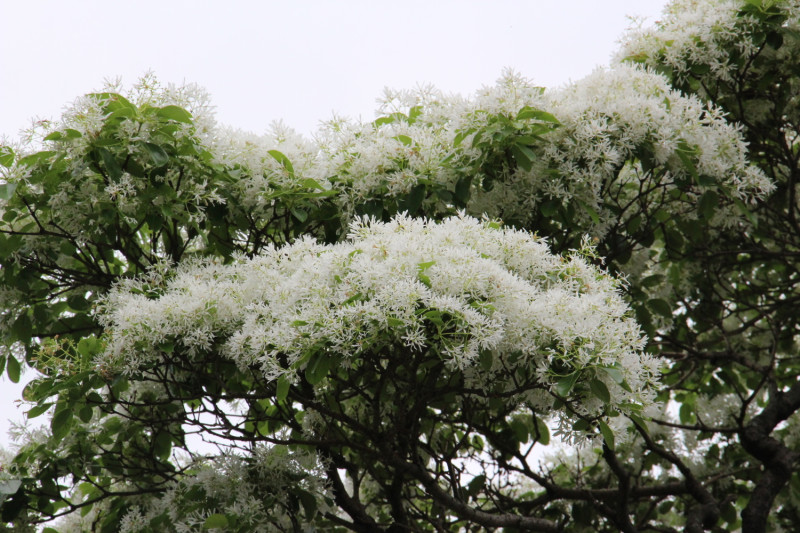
{"x": 376, "y": 331}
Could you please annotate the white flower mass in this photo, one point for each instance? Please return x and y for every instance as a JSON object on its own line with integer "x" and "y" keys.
{"x": 458, "y": 289}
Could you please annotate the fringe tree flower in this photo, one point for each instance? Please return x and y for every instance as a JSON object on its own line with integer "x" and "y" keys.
{"x": 487, "y": 301}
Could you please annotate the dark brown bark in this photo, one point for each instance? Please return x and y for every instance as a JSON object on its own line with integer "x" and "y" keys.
{"x": 778, "y": 461}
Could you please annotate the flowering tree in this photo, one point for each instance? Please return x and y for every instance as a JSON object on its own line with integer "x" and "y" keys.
{"x": 383, "y": 329}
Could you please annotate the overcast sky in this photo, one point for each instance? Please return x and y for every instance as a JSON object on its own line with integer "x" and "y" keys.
{"x": 297, "y": 61}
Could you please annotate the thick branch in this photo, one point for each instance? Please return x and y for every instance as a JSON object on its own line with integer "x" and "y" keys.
{"x": 778, "y": 460}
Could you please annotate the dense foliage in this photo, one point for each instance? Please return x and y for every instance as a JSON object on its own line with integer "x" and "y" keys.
{"x": 384, "y": 328}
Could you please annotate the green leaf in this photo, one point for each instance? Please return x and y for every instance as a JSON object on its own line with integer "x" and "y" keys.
{"x": 13, "y": 368}
{"x": 173, "y": 112}
{"x": 78, "y": 302}
{"x": 162, "y": 445}
{"x": 157, "y": 154}
{"x": 600, "y": 390}
{"x": 564, "y": 385}
{"x": 309, "y": 183}
{"x": 413, "y": 201}
{"x": 486, "y": 359}
{"x": 405, "y": 139}
{"x": 549, "y": 207}
{"x": 37, "y": 410}
{"x": 580, "y": 425}
{"x": 7, "y": 190}
{"x": 520, "y": 430}
{"x": 608, "y": 435}
{"x": 318, "y": 368}
{"x": 660, "y": 306}
{"x": 113, "y": 102}
{"x": 652, "y": 281}
{"x": 10, "y": 486}
{"x": 6, "y": 156}
{"x": 357, "y": 297}
{"x": 474, "y": 487}
{"x": 425, "y": 266}
{"x": 523, "y": 155}
{"x": 542, "y": 432}
{"x": 775, "y": 39}
{"x": 61, "y": 421}
{"x": 463, "y": 189}
{"x": 461, "y": 135}
{"x": 283, "y": 160}
{"x": 85, "y": 414}
{"x": 216, "y": 521}
{"x": 686, "y": 414}
{"x": 382, "y": 120}
{"x": 536, "y": 114}
{"x": 300, "y": 214}
{"x": 282, "y": 389}
{"x": 743, "y": 209}
{"x": 110, "y": 162}
{"x": 708, "y": 204}
{"x": 88, "y": 347}
{"x": 728, "y": 513}
{"x": 614, "y": 373}
{"x": 686, "y": 154}
{"x": 37, "y": 158}
{"x": 593, "y": 214}
{"x": 308, "y": 501}
{"x": 662, "y": 215}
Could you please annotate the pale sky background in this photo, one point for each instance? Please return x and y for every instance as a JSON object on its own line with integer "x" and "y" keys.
{"x": 297, "y": 61}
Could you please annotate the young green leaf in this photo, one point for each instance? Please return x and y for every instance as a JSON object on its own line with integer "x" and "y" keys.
{"x": 7, "y": 190}
{"x": 708, "y": 204}
{"x": 300, "y": 214}
{"x": 157, "y": 154}
{"x": 13, "y": 368}
{"x": 608, "y": 435}
{"x": 281, "y": 158}
{"x": 282, "y": 389}
{"x": 520, "y": 430}
{"x": 564, "y": 385}
{"x": 216, "y": 521}
{"x": 542, "y": 432}
{"x": 308, "y": 501}
{"x": 600, "y": 390}
{"x": 38, "y": 410}
{"x": 6, "y": 156}
{"x": 536, "y": 114}
{"x": 173, "y": 112}
{"x": 318, "y": 368}
{"x": 523, "y": 155}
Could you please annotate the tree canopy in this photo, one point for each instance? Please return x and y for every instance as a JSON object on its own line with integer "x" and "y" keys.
{"x": 389, "y": 326}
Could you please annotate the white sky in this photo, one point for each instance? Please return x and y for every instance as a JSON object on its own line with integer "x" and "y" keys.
{"x": 297, "y": 61}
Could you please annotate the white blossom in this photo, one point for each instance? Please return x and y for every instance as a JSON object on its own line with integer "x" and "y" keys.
{"x": 485, "y": 288}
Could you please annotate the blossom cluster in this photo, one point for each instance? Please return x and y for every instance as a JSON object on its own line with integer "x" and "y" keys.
{"x": 104, "y": 162}
{"x": 701, "y": 32}
{"x": 252, "y": 492}
{"x": 454, "y": 290}
{"x": 607, "y": 120}
{"x": 716, "y": 46}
